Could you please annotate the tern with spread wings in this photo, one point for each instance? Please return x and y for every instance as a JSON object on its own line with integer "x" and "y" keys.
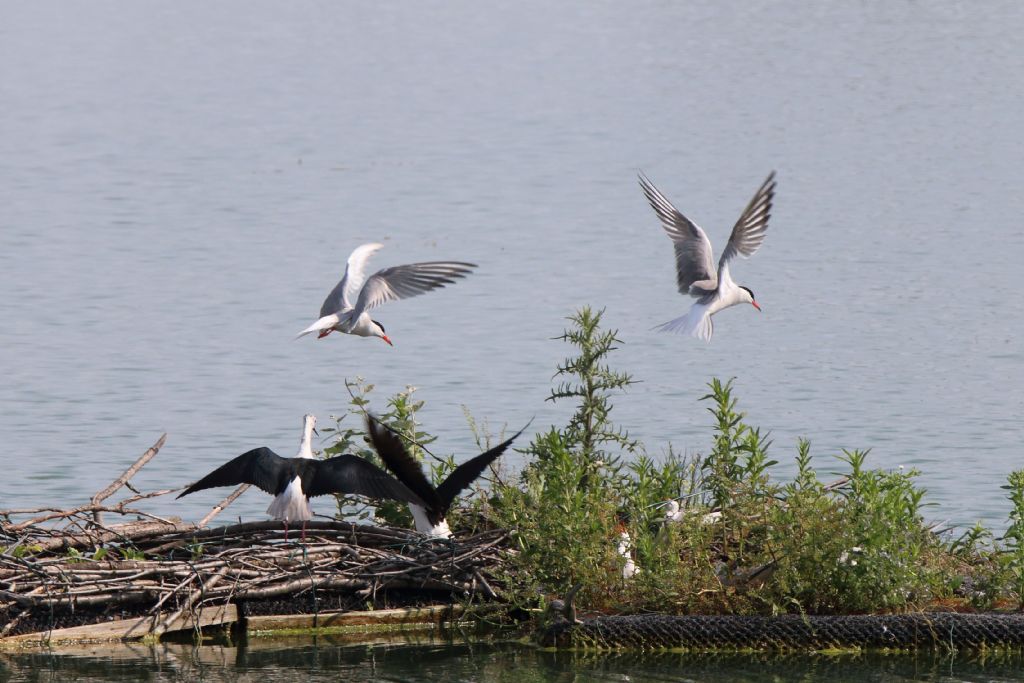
{"x": 695, "y": 269}
{"x": 347, "y": 308}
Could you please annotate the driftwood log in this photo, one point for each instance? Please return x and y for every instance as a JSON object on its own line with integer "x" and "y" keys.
{"x": 56, "y": 561}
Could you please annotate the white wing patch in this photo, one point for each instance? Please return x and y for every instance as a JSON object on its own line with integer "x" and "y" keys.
{"x": 355, "y": 273}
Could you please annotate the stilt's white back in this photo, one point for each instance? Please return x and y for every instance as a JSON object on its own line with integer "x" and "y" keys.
{"x": 423, "y": 525}
{"x": 291, "y": 505}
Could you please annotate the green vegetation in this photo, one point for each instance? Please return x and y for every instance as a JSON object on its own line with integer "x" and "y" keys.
{"x": 350, "y": 437}
{"x": 1012, "y": 561}
{"x": 738, "y": 542}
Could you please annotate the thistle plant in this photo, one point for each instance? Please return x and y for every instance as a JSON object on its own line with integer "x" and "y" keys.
{"x": 590, "y": 383}
{"x": 565, "y": 512}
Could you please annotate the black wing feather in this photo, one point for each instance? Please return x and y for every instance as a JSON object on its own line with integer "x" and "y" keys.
{"x": 352, "y": 474}
{"x": 260, "y": 467}
{"x": 396, "y": 458}
{"x": 466, "y": 473}
{"x": 402, "y": 464}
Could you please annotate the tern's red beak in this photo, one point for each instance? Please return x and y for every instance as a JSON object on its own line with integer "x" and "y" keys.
{"x": 385, "y": 338}
{"x": 754, "y": 304}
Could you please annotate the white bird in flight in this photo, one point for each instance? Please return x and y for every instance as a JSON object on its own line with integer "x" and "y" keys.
{"x": 695, "y": 269}
{"x": 346, "y": 308}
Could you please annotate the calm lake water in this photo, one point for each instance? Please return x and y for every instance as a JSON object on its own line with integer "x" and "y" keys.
{"x": 181, "y": 184}
{"x": 326, "y": 659}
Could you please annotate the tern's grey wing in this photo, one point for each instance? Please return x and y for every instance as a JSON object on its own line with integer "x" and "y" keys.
{"x": 750, "y": 229}
{"x": 403, "y": 282}
{"x": 695, "y": 266}
{"x": 344, "y": 294}
{"x": 352, "y": 474}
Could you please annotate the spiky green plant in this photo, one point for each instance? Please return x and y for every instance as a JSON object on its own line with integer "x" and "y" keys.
{"x": 565, "y": 510}
{"x": 587, "y": 379}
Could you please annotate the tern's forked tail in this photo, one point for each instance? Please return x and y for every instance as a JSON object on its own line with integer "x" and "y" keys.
{"x": 326, "y": 322}
{"x": 696, "y": 322}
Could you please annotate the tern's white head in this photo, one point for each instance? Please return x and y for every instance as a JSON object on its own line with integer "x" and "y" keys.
{"x": 747, "y": 297}
{"x": 308, "y": 428}
{"x": 377, "y": 330}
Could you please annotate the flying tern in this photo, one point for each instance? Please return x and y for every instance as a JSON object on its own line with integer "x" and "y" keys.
{"x": 347, "y": 308}
{"x": 695, "y": 269}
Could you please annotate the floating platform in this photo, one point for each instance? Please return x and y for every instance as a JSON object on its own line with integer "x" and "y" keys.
{"x": 948, "y": 631}
{"x": 230, "y": 617}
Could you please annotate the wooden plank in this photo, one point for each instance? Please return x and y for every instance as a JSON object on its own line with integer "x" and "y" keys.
{"x": 127, "y": 629}
{"x": 431, "y": 614}
{"x": 138, "y": 628}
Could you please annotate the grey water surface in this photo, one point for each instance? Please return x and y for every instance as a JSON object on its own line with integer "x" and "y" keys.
{"x": 181, "y": 183}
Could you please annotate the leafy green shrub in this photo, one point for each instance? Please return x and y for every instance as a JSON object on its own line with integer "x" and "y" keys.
{"x": 737, "y": 541}
{"x": 349, "y": 436}
{"x": 1013, "y": 556}
{"x": 565, "y": 509}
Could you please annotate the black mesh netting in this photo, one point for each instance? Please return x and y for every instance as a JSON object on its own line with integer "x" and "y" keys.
{"x": 791, "y": 632}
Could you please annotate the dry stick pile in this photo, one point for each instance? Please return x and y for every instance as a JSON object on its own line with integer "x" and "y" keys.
{"x": 51, "y": 561}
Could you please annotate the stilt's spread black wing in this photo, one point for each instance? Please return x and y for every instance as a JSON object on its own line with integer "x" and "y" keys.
{"x": 352, "y": 474}
{"x": 392, "y": 451}
{"x": 403, "y": 465}
{"x": 466, "y": 473}
{"x": 260, "y": 467}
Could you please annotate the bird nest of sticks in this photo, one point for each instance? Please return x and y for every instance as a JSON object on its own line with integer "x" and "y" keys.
{"x": 69, "y": 567}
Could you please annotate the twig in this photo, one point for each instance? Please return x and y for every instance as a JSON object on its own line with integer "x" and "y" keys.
{"x": 347, "y": 558}
{"x": 125, "y": 476}
{"x": 219, "y": 507}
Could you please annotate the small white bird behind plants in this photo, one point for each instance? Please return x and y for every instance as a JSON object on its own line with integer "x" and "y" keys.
{"x": 346, "y": 308}
{"x": 695, "y": 268}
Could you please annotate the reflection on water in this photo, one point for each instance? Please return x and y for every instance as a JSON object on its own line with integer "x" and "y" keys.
{"x": 424, "y": 658}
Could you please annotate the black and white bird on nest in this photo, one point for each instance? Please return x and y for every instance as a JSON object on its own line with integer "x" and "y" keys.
{"x": 429, "y": 514}
{"x": 293, "y": 481}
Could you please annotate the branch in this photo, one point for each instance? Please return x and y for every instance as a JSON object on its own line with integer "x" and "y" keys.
{"x": 128, "y": 474}
{"x": 219, "y": 507}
